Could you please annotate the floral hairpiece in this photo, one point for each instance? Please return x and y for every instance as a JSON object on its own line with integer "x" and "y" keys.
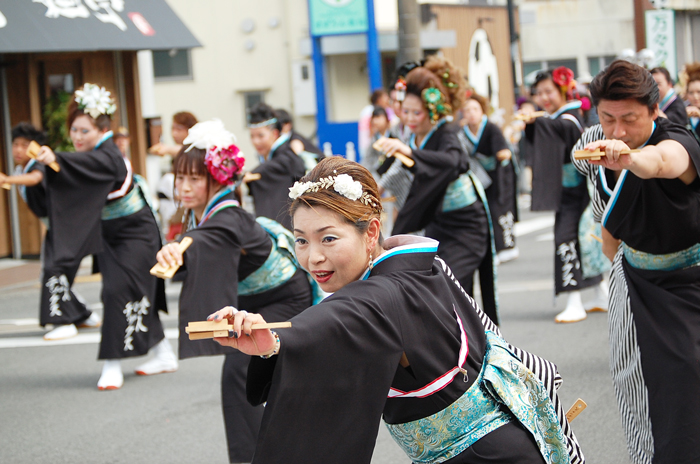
{"x": 564, "y": 78}
{"x": 223, "y": 159}
{"x": 95, "y": 100}
{"x": 400, "y": 88}
{"x": 344, "y": 184}
{"x": 435, "y": 102}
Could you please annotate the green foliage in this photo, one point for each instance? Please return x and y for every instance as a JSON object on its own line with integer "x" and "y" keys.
{"x": 55, "y": 116}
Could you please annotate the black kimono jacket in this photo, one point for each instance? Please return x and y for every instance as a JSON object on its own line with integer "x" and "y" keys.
{"x": 271, "y": 192}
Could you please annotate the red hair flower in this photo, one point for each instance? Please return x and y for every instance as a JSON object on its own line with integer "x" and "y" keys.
{"x": 224, "y": 163}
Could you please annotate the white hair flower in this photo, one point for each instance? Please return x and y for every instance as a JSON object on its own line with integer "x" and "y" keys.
{"x": 298, "y": 189}
{"x": 95, "y": 100}
{"x": 209, "y": 134}
{"x": 347, "y": 187}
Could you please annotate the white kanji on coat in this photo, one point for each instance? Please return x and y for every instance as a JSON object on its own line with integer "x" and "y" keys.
{"x": 59, "y": 290}
{"x": 135, "y": 311}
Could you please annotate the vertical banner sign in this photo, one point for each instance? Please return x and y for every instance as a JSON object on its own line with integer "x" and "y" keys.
{"x": 661, "y": 38}
{"x": 332, "y": 17}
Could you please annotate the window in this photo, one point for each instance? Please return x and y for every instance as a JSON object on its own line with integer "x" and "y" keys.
{"x": 250, "y": 99}
{"x": 173, "y": 65}
{"x": 598, "y": 63}
{"x": 531, "y": 68}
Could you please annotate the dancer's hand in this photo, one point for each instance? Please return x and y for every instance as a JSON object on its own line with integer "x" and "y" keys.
{"x": 613, "y": 158}
{"x": 251, "y": 342}
{"x": 170, "y": 255}
{"x": 391, "y": 146}
{"x": 46, "y": 156}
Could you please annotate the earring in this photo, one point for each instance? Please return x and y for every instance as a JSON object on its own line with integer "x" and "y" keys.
{"x": 370, "y": 264}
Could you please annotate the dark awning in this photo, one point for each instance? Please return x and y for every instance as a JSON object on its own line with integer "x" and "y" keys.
{"x": 89, "y": 25}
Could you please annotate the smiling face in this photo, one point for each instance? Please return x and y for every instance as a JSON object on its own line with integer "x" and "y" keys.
{"x": 548, "y": 96}
{"x": 84, "y": 133}
{"x": 415, "y": 115}
{"x": 332, "y": 250}
{"x": 627, "y": 120}
{"x": 263, "y": 138}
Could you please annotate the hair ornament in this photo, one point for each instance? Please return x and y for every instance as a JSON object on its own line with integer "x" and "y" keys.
{"x": 446, "y": 80}
{"x": 435, "y": 102}
{"x": 564, "y": 78}
{"x": 400, "y": 88}
{"x": 344, "y": 184}
{"x": 223, "y": 158}
{"x": 95, "y": 100}
{"x": 268, "y": 122}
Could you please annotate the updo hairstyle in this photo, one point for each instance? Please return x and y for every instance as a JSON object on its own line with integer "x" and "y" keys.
{"x": 440, "y": 73}
{"x": 354, "y": 212}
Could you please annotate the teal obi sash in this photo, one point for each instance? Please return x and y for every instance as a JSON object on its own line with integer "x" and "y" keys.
{"x": 505, "y": 390}
{"x": 670, "y": 262}
{"x": 280, "y": 266}
{"x": 459, "y": 194}
{"x": 570, "y": 176}
{"x": 131, "y": 203}
{"x": 309, "y": 159}
{"x": 488, "y": 162}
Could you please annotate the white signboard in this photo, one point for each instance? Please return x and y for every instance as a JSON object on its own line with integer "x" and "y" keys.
{"x": 661, "y": 38}
{"x": 483, "y": 68}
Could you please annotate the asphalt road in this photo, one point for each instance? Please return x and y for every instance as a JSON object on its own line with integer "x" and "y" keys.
{"x": 52, "y": 412}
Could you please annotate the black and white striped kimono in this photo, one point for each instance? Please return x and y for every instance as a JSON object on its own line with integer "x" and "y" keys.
{"x": 654, "y": 318}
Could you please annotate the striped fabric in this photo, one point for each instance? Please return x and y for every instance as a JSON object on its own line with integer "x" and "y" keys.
{"x": 626, "y": 369}
{"x": 544, "y": 370}
{"x": 589, "y": 170}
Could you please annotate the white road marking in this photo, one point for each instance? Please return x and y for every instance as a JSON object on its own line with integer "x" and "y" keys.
{"x": 545, "y": 237}
{"x": 80, "y": 339}
{"x": 533, "y": 225}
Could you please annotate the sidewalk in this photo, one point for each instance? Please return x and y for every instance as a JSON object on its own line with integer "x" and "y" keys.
{"x": 16, "y": 271}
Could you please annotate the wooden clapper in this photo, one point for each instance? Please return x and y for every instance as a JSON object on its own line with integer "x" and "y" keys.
{"x": 407, "y": 161}
{"x": 576, "y": 409}
{"x": 168, "y": 272}
{"x": 527, "y": 117}
{"x": 33, "y": 152}
{"x": 211, "y": 329}
{"x": 597, "y": 154}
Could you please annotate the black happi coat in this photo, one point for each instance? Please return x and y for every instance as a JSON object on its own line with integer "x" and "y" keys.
{"x": 75, "y": 197}
{"x": 327, "y": 389}
{"x": 228, "y": 247}
{"x": 553, "y": 139}
{"x": 675, "y": 111}
{"x": 271, "y": 192}
{"x": 35, "y": 196}
{"x": 502, "y": 193}
{"x": 464, "y": 235}
{"x": 654, "y": 314}
{"x": 308, "y": 145}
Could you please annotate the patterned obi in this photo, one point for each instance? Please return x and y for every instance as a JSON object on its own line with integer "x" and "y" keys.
{"x": 670, "y": 262}
{"x": 276, "y": 270}
{"x": 131, "y": 203}
{"x": 505, "y": 390}
{"x": 460, "y": 194}
{"x": 570, "y": 176}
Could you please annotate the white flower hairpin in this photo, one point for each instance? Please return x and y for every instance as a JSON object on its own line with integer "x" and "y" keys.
{"x": 344, "y": 184}
{"x": 95, "y": 100}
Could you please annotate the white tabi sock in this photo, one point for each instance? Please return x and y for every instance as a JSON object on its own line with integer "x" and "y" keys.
{"x": 112, "y": 377}
{"x": 574, "y": 311}
{"x": 164, "y": 360}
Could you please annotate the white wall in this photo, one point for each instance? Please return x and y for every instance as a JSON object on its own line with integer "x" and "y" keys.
{"x": 222, "y": 67}
{"x": 561, "y": 29}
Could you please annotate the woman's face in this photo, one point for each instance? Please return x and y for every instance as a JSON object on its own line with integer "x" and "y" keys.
{"x": 549, "y": 96}
{"x": 329, "y": 248}
{"x": 415, "y": 115}
{"x": 472, "y": 112}
{"x": 192, "y": 190}
{"x": 263, "y": 138}
{"x": 179, "y": 133}
{"x": 84, "y": 133}
{"x": 693, "y": 93}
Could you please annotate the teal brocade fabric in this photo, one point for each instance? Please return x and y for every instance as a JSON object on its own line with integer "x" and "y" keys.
{"x": 571, "y": 177}
{"x": 503, "y": 381}
{"x": 460, "y": 194}
{"x": 127, "y": 205}
{"x": 593, "y": 261}
{"x": 669, "y": 262}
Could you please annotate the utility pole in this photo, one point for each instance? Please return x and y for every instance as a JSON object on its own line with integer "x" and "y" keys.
{"x": 409, "y": 32}
{"x": 514, "y": 50}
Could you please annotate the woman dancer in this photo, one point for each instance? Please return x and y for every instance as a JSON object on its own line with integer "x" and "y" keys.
{"x": 232, "y": 260}
{"x": 649, "y": 204}
{"x": 396, "y": 322}
{"x": 692, "y": 93}
{"x": 557, "y": 186}
{"x": 485, "y": 143}
{"x": 97, "y": 206}
{"x": 445, "y": 197}
{"x": 279, "y": 166}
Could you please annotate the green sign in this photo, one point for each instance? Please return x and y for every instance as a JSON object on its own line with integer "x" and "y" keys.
{"x": 330, "y": 17}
